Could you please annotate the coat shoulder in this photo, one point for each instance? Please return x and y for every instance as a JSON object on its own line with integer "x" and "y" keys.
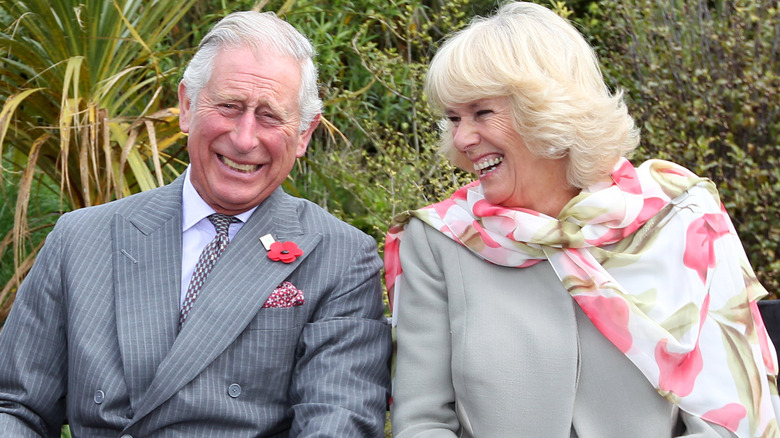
{"x": 314, "y": 218}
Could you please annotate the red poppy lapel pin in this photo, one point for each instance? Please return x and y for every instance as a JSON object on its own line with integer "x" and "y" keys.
{"x": 285, "y": 252}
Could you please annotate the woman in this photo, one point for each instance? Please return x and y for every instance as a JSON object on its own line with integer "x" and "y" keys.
{"x": 566, "y": 293}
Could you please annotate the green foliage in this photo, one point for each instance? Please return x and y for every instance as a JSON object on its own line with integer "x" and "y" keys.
{"x": 703, "y": 82}
{"x": 701, "y": 78}
{"x": 81, "y": 85}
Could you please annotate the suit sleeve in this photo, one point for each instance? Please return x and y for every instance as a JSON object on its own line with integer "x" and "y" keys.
{"x": 341, "y": 381}
{"x": 423, "y": 393}
{"x": 33, "y": 357}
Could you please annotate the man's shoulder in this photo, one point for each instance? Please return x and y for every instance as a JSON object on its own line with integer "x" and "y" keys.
{"x": 165, "y": 197}
{"x": 314, "y": 218}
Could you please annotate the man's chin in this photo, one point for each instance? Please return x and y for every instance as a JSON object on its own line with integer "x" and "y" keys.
{"x": 235, "y": 205}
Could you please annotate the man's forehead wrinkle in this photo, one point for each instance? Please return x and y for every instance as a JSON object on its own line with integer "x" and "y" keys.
{"x": 257, "y": 93}
{"x": 247, "y": 87}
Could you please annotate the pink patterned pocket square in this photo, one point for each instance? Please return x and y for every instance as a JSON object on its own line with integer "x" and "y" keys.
{"x": 285, "y": 295}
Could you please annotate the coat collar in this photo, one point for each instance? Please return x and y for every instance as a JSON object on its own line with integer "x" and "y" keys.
{"x": 146, "y": 239}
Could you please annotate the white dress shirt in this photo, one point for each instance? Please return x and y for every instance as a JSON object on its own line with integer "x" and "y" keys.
{"x": 197, "y": 230}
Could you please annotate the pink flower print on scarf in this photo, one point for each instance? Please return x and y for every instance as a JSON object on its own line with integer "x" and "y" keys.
{"x": 728, "y": 416}
{"x": 612, "y": 320}
{"x": 626, "y": 178}
{"x": 699, "y": 243}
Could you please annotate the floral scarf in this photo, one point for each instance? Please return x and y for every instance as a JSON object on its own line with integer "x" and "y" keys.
{"x": 653, "y": 260}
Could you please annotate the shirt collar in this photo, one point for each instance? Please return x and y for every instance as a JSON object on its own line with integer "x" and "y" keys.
{"x": 195, "y": 209}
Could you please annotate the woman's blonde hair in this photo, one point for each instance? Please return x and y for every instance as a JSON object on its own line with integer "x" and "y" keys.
{"x": 560, "y": 103}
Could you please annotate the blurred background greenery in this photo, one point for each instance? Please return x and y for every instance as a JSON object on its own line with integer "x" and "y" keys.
{"x": 88, "y": 93}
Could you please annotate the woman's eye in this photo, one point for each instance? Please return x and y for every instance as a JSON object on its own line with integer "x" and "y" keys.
{"x": 485, "y": 112}
{"x": 453, "y": 119}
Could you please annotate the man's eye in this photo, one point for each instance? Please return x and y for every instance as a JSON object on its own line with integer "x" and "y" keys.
{"x": 268, "y": 117}
{"x": 229, "y": 108}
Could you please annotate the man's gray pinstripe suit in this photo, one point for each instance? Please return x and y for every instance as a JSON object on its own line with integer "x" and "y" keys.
{"x": 92, "y": 336}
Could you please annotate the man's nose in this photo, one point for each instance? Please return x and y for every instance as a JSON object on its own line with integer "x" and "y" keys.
{"x": 245, "y": 136}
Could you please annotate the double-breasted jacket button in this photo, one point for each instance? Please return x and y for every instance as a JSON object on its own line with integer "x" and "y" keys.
{"x": 99, "y": 396}
{"x": 234, "y": 390}
{"x": 126, "y": 436}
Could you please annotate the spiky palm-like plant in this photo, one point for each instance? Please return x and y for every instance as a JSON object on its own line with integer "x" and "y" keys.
{"x": 83, "y": 85}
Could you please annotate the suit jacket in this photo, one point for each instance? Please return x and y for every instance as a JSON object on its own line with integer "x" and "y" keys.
{"x": 491, "y": 351}
{"x": 92, "y": 336}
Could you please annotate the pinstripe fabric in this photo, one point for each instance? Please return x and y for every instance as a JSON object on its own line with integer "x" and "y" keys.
{"x": 93, "y": 330}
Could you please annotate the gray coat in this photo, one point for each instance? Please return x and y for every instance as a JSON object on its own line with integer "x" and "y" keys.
{"x": 92, "y": 336}
{"x": 489, "y": 351}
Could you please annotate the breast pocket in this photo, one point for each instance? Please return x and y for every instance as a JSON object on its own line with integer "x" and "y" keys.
{"x": 273, "y": 335}
{"x": 275, "y": 319}
{"x": 262, "y": 360}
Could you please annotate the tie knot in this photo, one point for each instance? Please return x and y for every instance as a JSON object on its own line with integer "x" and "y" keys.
{"x": 221, "y": 222}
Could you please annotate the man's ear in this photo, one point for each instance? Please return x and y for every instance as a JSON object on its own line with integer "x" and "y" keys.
{"x": 185, "y": 109}
{"x": 303, "y": 141}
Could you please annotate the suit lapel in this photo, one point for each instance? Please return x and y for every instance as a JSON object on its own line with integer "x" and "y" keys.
{"x": 234, "y": 292}
{"x": 147, "y": 277}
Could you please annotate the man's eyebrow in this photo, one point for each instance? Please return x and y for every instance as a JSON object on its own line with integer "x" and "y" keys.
{"x": 278, "y": 111}
{"x": 262, "y": 103}
{"x": 223, "y": 95}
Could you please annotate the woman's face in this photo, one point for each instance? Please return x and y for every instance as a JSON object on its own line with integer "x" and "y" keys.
{"x": 510, "y": 175}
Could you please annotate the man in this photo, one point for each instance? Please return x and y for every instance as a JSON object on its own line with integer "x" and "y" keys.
{"x": 115, "y": 330}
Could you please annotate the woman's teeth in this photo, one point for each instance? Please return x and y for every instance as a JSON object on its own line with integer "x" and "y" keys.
{"x": 486, "y": 166}
{"x": 239, "y": 167}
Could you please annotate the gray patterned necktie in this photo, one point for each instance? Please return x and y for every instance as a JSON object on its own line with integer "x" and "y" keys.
{"x": 206, "y": 261}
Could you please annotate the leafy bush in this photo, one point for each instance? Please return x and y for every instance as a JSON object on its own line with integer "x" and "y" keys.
{"x": 375, "y": 155}
{"x": 703, "y": 80}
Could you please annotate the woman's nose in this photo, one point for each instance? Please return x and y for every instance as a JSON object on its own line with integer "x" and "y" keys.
{"x": 465, "y": 136}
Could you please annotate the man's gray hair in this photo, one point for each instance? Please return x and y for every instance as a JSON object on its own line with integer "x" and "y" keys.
{"x": 259, "y": 30}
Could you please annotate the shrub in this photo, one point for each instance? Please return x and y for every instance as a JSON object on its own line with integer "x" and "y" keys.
{"x": 702, "y": 81}
{"x": 376, "y": 154}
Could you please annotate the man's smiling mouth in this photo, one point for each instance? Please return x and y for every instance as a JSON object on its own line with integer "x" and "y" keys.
{"x": 246, "y": 168}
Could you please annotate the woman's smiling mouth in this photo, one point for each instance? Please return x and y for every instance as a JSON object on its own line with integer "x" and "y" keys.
{"x": 487, "y": 166}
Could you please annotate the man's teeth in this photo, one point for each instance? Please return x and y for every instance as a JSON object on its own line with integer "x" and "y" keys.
{"x": 487, "y": 164}
{"x": 240, "y": 167}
